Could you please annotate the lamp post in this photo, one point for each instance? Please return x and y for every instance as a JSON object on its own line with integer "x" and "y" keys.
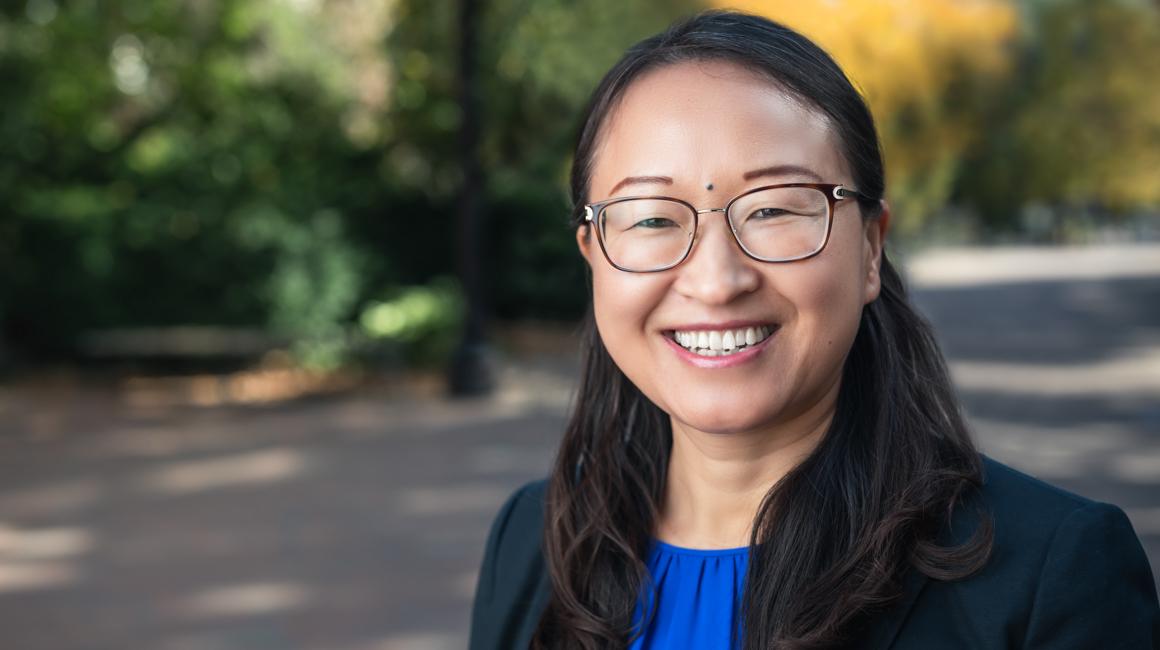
{"x": 471, "y": 372}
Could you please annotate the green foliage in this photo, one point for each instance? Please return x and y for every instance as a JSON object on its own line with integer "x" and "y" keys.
{"x": 420, "y": 323}
{"x": 281, "y": 164}
{"x": 1077, "y": 130}
{"x": 181, "y": 163}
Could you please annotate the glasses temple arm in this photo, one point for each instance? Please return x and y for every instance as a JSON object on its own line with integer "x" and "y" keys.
{"x": 847, "y": 193}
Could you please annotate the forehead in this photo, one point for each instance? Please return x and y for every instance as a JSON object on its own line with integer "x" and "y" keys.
{"x": 700, "y": 122}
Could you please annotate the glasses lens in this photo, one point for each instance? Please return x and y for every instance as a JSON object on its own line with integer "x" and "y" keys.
{"x": 782, "y": 223}
{"x": 646, "y": 234}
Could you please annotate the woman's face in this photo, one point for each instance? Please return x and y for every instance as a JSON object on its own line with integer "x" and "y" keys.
{"x": 705, "y": 124}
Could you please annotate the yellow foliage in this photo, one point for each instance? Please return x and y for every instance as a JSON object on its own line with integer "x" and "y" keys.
{"x": 897, "y": 51}
{"x": 910, "y": 58}
{"x": 1092, "y": 130}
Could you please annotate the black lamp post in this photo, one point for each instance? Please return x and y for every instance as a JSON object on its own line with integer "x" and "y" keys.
{"x": 471, "y": 372}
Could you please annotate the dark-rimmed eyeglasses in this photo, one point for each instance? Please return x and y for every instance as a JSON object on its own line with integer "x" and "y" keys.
{"x": 772, "y": 223}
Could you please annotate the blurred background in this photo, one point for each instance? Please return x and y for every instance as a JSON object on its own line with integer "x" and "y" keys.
{"x": 288, "y": 295}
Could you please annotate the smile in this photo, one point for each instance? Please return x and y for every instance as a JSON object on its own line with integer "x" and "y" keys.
{"x": 721, "y": 343}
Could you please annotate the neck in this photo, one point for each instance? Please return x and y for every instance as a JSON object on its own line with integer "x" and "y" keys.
{"x": 717, "y": 481}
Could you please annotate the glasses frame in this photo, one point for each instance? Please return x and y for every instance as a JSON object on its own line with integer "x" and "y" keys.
{"x": 834, "y": 192}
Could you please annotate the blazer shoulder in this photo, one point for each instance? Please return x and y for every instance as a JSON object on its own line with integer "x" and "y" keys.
{"x": 509, "y": 588}
{"x": 522, "y": 520}
{"x": 999, "y": 478}
{"x": 1034, "y": 521}
{"x": 1025, "y": 512}
{"x": 1062, "y": 568}
{"x": 515, "y": 536}
{"x": 529, "y": 501}
{"x": 1013, "y": 497}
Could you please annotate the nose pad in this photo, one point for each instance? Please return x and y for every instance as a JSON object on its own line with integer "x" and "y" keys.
{"x": 717, "y": 269}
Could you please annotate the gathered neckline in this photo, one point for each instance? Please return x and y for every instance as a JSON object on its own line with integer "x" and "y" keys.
{"x": 703, "y": 552}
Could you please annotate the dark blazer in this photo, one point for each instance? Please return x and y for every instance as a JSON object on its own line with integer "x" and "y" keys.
{"x": 1066, "y": 573}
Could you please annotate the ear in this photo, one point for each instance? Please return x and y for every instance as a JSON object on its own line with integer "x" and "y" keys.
{"x": 584, "y": 241}
{"x": 875, "y": 237}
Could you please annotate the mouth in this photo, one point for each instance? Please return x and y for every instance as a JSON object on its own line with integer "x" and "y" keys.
{"x": 721, "y": 343}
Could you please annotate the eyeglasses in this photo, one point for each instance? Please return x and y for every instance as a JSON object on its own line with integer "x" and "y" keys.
{"x": 773, "y": 223}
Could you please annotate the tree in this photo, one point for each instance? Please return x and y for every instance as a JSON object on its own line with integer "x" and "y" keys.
{"x": 1079, "y": 127}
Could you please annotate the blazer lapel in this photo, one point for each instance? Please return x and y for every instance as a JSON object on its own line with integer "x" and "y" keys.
{"x": 883, "y": 628}
{"x": 539, "y": 602}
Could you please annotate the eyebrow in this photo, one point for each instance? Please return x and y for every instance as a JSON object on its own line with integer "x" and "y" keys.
{"x": 774, "y": 170}
{"x": 640, "y": 180}
{"x": 782, "y": 170}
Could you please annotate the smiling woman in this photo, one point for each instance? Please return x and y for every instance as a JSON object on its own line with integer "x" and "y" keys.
{"x": 766, "y": 451}
{"x": 734, "y": 122}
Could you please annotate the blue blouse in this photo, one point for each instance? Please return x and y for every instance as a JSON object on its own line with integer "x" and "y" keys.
{"x": 698, "y": 596}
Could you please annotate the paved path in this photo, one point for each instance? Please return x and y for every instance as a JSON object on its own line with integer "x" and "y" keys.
{"x": 355, "y": 522}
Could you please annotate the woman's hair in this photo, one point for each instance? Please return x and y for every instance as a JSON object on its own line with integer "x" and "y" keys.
{"x": 833, "y": 539}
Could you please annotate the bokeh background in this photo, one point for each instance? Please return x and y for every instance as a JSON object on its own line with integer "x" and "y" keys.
{"x": 246, "y": 246}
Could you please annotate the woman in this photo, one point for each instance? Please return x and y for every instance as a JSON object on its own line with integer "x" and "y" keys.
{"x": 765, "y": 450}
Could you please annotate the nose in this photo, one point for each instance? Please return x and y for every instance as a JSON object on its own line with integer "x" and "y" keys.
{"x": 717, "y": 271}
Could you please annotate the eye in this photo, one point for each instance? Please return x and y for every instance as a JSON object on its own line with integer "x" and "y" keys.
{"x": 769, "y": 213}
{"x": 654, "y": 222}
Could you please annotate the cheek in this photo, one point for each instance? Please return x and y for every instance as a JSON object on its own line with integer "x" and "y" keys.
{"x": 832, "y": 295}
{"x": 625, "y": 300}
{"x": 623, "y": 304}
{"x": 829, "y": 305}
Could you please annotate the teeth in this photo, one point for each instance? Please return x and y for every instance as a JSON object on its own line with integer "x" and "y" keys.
{"x": 722, "y": 342}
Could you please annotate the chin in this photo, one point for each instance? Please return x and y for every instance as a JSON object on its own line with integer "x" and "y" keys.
{"x": 722, "y": 419}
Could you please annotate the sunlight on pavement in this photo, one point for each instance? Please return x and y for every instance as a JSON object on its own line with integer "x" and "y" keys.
{"x": 1139, "y": 466}
{"x": 27, "y": 554}
{"x": 464, "y": 584}
{"x": 453, "y": 499}
{"x": 952, "y": 267}
{"x": 259, "y": 386}
{"x": 1083, "y": 441}
{"x": 197, "y": 642}
{"x": 1132, "y": 372}
{"x": 499, "y": 458}
{"x": 244, "y": 600}
{"x": 416, "y": 641}
{"x": 143, "y": 442}
{"x": 525, "y": 388}
{"x": 259, "y": 467}
{"x": 24, "y": 576}
{"x": 43, "y": 543}
{"x": 63, "y": 497}
{"x": 1035, "y": 456}
{"x": 1069, "y": 452}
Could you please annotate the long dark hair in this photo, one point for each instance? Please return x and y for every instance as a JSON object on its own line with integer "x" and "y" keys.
{"x": 834, "y": 538}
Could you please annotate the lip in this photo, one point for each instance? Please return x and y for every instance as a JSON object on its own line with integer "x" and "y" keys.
{"x": 722, "y": 362}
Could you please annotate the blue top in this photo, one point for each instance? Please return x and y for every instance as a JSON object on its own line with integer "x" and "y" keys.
{"x": 698, "y": 596}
